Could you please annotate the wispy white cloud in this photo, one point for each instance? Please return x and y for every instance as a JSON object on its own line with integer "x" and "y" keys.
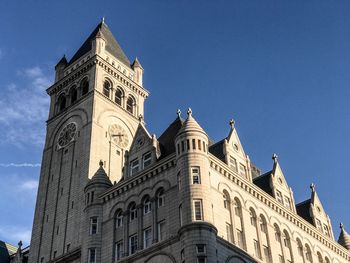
{"x": 29, "y": 185}
{"x": 24, "y": 107}
{"x": 19, "y": 164}
{"x": 13, "y": 234}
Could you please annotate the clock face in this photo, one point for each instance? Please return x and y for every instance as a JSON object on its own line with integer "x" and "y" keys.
{"x": 67, "y": 134}
{"x": 119, "y": 135}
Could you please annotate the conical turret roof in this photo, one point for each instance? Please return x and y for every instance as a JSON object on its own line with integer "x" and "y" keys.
{"x": 344, "y": 238}
{"x": 190, "y": 125}
{"x": 112, "y": 46}
{"x": 100, "y": 177}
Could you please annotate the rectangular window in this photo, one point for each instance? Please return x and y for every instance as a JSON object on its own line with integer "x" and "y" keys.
{"x": 193, "y": 144}
{"x": 199, "y": 145}
{"x": 279, "y": 197}
{"x": 147, "y": 238}
{"x": 257, "y": 248}
{"x": 54, "y": 254}
{"x": 242, "y": 170}
{"x": 198, "y": 213}
{"x": 233, "y": 164}
{"x": 318, "y": 224}
{"x": 188, "y": 144}
{"x": 132, "y": 244}
{"x": 201, "y": 259}
{"x": 239, "y": 238}
{"x": 204, "y": 146}
{"x": 147, "y": 159}
{"x": 325, "y": 230}
{"x": 287, "y": 202}
{"x": 134, "y": 167}
{"x": 161, "y": 231}
{"x": 93, "y": 225}
{"x": 119, "y": 220}
{"x": 92, "y": 255}
{"x": 182, "y": 146}
{"x": 229, "y": 233}
{"x": 178, "y": 148}
{"x": 180, "y": 214}
{"x": 119, "y": 248}
{"x": 266, "y": 254}
{"x": 201, "y": 249}
{"x": 196, "y": 179}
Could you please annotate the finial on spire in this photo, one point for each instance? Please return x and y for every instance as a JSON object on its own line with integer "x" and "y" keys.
{"x": 20, "y": 244}
{"x": 232, "y": 123}
{"x": 103, "y": 20}
{"x": 341, "y": 226}
{"x": 178, "y": 112}
{"x": 101, "y": 163}
{"x": 275, "y": 157}
{"x": 312, "y": 187}
{"x": 189, "y": 112}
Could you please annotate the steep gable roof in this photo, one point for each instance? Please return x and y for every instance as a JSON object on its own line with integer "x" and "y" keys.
{"x": 217, "y": 150}
{"x": 264, "y": 182}
{"x": 112, "y": 45}
{"x": 167, "y": 139}
{"x": 303, "y": 210}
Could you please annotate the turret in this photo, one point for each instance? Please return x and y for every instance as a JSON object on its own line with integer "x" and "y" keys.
{"x": 59, "y": 68}
{"x": 344, "y": 237}
{"x": 138, "y": 69}
{"x": 195, "y": 206}
{"x": 99, "y": 43}
{"x": 92, "y": 234}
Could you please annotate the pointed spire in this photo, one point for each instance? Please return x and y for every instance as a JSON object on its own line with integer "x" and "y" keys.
{"x": 275, "y": 158}
{"x": 344, "y": 238}
{"x": 313, "y": 187}
{"x": 190, "y": 124}
{"x": 100, "y": 177}
{"x": 232, "y": 124}
{"x": 136, "y": 64}
{"x": 103, "y": 20}
{"x": 178, "y": 112}
{"x": 189, "y": 112}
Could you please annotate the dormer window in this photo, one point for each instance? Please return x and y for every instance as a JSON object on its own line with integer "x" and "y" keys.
{"x": 233, "y": 164}
{"x": 279, "y": 197}
{"x": 146, "y": 159}
{"x": 242, "y": 170}
{"x": 287, "y": 202}
{"x": 134, "y": 167}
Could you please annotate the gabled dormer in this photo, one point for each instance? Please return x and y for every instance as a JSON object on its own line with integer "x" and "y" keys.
{"x": 275, "y": 184}
{"x": 313, "y": 211}
{"x": 144, "y": 151}
{"x": 230, "y": 151}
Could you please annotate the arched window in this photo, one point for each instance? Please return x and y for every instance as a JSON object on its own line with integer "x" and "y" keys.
{"x": 160, "y": 198}
{"x": 61, "y": 102}
{"x": 319, "y": 257}
{"x": 238, "y": 223}
{"x": 146, "y": 205}
{"x": 227, "y": 201}
{"x": 279, "y": 247}
{"x": 287, "y": 247}
{"x": 300, "y": 251}
{"x": 326, "y": 260}
{"x": 84, "y": 85}
{"x": 264, "y": 239}
{"x": 107, "y": 88}
{"x": 130, "y": 104}
{"x": 253, "y": 222}
{"x": 119, "y": 219}
{"x": 73, "y": 95}
{"x": 308, "y": 253}
{"x": 118, "y": 96}
{"x": 132, "y": 211}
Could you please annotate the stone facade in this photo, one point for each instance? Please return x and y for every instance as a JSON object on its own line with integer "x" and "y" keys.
{"x": 110, "y": 191}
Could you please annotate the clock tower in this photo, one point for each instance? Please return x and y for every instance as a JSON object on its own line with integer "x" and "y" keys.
{"x": 97, "y": 103}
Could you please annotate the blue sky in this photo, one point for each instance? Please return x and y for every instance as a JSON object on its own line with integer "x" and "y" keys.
{"x": 279, "y": 68}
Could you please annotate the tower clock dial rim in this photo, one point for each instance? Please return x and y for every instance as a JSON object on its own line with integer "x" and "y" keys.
{"x": 118, "y": 135}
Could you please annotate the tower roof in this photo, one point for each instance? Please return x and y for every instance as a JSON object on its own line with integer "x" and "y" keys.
{"x": 344, "y": 238}
{"x": 190, "y": 124}
{"x": 100, "y": 177}
{"x": 112, "y": 45}
{"x": 166, "y": 140}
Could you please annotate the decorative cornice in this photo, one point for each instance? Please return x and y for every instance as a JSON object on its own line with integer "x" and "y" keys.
{"x": 269, "y": 201}
{"x": 132, "y": 182}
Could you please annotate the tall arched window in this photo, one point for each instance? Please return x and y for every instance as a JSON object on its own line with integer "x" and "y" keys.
{"x": 61, "y": 102}
{"x": 238, "y": 223}
{"x": 130, "y": 103}
{"x": 253, "y": 223}
{"x": 308, "y": 254}
{"x": 264, "y": 239}
{"x": 226, "y": 198}
{"x": 107, "y": 88}
{"x": 119, "y": 219}
{"x": 118, "y": 96}
{"x": 132, "y": 211}
{"x": 227, "y": 216}
{"x": 73, "y": 95}
{"x": 160, "y": 198}
{"x": 300, "y": 257}
{"x": 287, "y": 247}
{"x": 326, "y": 260}
{"x": 279, "y": 247}
{"x": 319, "y": 257}
{"x": 84, "y": 85}
{"x": 146, "y": 205}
